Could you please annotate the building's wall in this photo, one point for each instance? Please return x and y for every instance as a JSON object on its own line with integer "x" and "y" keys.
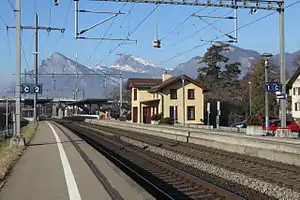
{"x": 198, "y": 102}
{"x": 164, "y": 105}
{"x": 142, "y": 95}
{"x": 295, "y": 99}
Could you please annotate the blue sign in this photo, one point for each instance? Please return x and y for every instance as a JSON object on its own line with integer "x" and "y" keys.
{"x": 26, "y": 88}
{"x": 32, "y": 88}
{"x": 273, "y": 87}
{"x": 281, "y": 96}
{"x": 37, "y": 88}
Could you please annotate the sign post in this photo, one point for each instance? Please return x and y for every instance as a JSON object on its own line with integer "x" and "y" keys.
{"x": 208, "y": 112}
{"x": 218, "y": 115}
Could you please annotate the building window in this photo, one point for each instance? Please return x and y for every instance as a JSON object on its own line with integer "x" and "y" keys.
{"x": 135, "y": 94}
{"x": 297, "y": 106}
{"x": 173, "y": 93}
{"x": 191, "y": 94}
{"x": 191, "y": 112}
{"x": 296, "y": 91}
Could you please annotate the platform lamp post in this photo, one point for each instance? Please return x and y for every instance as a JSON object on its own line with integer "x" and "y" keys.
{"x": 266, "y": 57}
{"x": 250, "y": 98}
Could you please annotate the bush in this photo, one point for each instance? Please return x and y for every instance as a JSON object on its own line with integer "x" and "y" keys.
{"x": 254, "y": 120}
{"x": 101, "y": 116}
{"x": 128, "y": 116}
{"x": 156, "y": 117}
{"x": 166, "y": 120}
{"x": 122, "y": 119}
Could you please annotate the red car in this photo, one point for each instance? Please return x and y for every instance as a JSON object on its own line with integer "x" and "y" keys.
{"x": 275, "y": 124}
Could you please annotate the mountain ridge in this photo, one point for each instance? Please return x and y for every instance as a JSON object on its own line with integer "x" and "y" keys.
{"x": 131, "y": 67}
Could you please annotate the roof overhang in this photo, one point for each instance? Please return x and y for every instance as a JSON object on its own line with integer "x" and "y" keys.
{"x": 153, "y": 101}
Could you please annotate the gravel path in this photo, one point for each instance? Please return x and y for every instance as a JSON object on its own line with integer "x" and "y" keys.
{"x": 256, "y": 184}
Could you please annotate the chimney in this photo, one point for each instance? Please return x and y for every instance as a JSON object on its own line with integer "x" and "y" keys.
{"x": 166, "y": 76}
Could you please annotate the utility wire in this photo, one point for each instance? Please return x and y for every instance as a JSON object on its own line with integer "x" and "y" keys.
{"x": 3, "y": 21}
{"x": 65, "y": 23}
{"x": 195, "y": 33}
{"x": 182, "y": 22}
{"x": 12, "y": 6}
{"x": 220, "y": 36}
{"x": 112, "y": 51}
{"x": 7, "y": 35}
{"x": 107, "y": 31}
{"x": 179, "y": 25}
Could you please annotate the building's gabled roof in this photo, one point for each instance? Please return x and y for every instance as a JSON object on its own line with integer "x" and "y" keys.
{"x": 173, "y": 80}
{"x": 293, "y": 79}
{"x": 142, "y": 82}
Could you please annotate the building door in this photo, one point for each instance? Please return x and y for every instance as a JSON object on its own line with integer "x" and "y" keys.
{"x": 134, "y": 114}
{"x": 146, "y": 115}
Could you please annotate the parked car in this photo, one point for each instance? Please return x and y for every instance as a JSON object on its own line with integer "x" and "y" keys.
{"x": 275, "y": 124}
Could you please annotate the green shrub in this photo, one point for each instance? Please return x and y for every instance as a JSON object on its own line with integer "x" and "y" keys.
{"x": 156, "y": 117}
{"x": 102, "y": 116}
{"x": 128, "y": 116}
{"x": 166, "y": 120}
{"x": 254, "y": 120}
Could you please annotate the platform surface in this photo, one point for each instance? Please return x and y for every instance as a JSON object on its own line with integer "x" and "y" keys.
{"x": 51, "y": 168}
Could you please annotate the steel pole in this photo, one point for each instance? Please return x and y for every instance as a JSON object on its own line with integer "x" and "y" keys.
{"x": 235, "y": 24}
{"x": 266, "y": 97}
{"x": 76, "y": 18}
{"x": 76, "y": 87}
{"x": 121, "y": 93}
{"x": 17, "y": 139}
{"x": 250, "y": 98}
{"x": 35, "y": 67}
{"x": 183, "y": 102}
{"x": 282, "y": 66}
{"x": 6, "y": 117}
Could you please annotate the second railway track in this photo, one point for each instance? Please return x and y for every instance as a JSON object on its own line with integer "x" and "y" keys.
{"x": 282, "y": 174}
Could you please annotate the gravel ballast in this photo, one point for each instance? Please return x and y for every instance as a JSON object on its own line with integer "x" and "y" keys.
{"x": 261, "y": 186}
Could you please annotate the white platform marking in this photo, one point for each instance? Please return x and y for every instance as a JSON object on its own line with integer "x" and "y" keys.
{"x": 69, "y": 177}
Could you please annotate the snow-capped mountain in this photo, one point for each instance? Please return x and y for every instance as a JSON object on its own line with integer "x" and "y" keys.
{"x": 91, "y": 79}
{"x": 130, "y": 63}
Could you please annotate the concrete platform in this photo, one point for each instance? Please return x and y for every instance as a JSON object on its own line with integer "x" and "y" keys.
{"x": 277, "y": 149}
{"x": 51, "y": 168}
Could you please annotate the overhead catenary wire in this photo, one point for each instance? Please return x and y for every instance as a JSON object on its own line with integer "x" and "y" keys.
{"x": 7, "y": 36}
{"x": 112, "y": 51}
{"x": 105, "y": 34}
{"x": 179, "y": 25}
{"x": 194, "y": 33}
{"x": 12, "y": 7}
{"x": 220, "y": 36}
{"x": 65, "y": 22}
{"x": 182, "y": 22}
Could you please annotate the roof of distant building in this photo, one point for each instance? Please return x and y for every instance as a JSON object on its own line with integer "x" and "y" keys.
{"x": 157, "y": 84}
{"x": 142, "y": 82}
{"x": 293, "y": 79}
{"x": 173, "y": 80}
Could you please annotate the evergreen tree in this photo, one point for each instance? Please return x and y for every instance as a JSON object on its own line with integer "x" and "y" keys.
{"x": 223, "y": 85}
{"x": 258, "y": 89}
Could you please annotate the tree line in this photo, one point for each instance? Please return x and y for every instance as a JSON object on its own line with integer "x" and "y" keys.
{"x": 225, "y": 84}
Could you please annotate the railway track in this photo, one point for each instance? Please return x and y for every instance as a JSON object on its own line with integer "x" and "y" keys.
{"x": 161, "y": 180}
{"x": 274, "y": 172}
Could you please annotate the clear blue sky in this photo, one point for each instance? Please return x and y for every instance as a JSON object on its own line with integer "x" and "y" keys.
{"x": 262, "y": 36}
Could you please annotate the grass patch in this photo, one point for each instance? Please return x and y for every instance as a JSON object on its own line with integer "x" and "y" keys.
{"x": 28, "y": 132}
{"x": 8, "y": 156}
